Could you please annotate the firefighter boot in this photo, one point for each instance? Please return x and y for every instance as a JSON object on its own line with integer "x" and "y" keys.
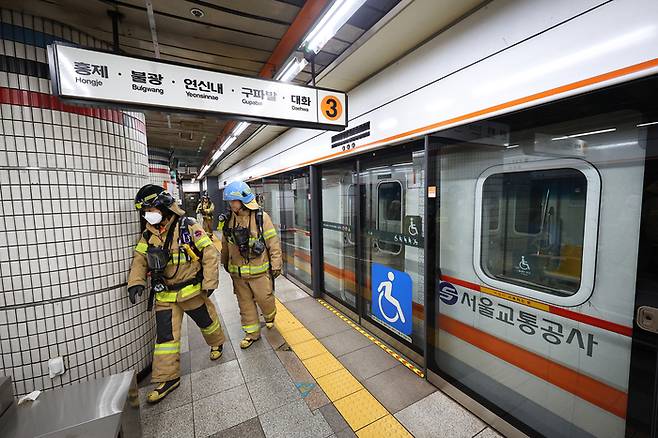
{"x": 216, "y": 352}
{"x": 247, "y": 341}
{"x": 162, "y": 390}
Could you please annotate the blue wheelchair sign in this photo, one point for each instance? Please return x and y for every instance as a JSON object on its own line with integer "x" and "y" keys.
{"x": 391, "y": 298}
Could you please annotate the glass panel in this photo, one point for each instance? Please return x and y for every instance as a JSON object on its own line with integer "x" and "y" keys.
{"x": 270, "y": 200}
{"x": 575, "y": 185}
{"x": 338, "y": 232}
{"x": 541, "y": 244}
{"x": 393, "y": 207}
{"x": 296, "y": 225}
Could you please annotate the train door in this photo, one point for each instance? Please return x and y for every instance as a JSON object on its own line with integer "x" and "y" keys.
{"x": 642, "y": 420}
{"x": 296, "y": 223}
{"x": 340, "y": 194}
{"x": 391, "y": 246}
{"x": 372, "y": 237}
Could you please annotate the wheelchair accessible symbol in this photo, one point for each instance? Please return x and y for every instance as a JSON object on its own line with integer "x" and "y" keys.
{"x": 391, "y": 293}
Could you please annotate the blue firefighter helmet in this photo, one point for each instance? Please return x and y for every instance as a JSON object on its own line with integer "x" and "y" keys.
{"x": 240, "y": 191}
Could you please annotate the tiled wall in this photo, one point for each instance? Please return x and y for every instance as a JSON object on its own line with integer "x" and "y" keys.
{"x": 159, "y": 174}
{"x": 68, "y": 176}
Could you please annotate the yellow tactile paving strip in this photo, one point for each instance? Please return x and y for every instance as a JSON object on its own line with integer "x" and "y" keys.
{"x": 309, "y": 349}
{"x": 339, "y": 384}
{"x": 321, "y": 365}
{"x": 374, "y": 340}
{"x": 360, "y": 409}
{"x": 384, "y": 427}
{"x": 365, "y": 415}
{"x": 298, "y": 336}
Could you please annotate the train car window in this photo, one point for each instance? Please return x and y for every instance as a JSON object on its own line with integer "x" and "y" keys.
{"x": 389, "y": 214}
{"x": 539, "y": 241}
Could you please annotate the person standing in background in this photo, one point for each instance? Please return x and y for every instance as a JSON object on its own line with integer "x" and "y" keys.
{"x": 206, "y": 208}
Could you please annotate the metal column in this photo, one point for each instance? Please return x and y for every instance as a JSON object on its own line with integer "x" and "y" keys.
{"x": 358, "y": 235}
{"x": 432, "y": 252}
{"x": 317, "y": 273}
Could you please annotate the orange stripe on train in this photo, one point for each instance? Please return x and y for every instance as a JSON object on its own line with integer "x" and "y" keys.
{"x": 604, "y": 396}
{"x": 418, "y": 309}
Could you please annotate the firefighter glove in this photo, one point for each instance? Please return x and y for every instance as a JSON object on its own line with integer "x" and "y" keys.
{"x": 133, "y": 291}
{"x": 276, "y": 273}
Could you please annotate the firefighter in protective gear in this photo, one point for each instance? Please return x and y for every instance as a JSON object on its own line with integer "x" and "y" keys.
{"x": 206, "y": 208}
{"x": 251, "y": 253}
{"x": 183, "y": 267}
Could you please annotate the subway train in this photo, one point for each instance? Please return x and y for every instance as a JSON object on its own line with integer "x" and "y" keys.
{"x": 538, "y": 241}
{"x": 513, "y": 195}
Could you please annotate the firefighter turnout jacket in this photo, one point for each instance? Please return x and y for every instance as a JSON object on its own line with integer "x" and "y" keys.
{"x": 251, "y": 266}
{"x": 182, "y": 273}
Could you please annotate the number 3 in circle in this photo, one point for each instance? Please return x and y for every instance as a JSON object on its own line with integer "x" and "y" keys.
{"x": 331, "y": 107}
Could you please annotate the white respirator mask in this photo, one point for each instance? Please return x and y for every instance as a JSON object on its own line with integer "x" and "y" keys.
{"x": 153, "y": 217}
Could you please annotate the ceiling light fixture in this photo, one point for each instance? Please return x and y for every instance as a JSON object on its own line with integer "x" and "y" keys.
{"x": 584, "y": 134}
{"x": 216, "y": 155}
{"x": 291, "y": 70}
{"x": 239, "y": 129}
{"x": 330, "y": 24}
{"x": 198, "y": 13}
{"x": 204, "y": 169}
{"x": 228, "y": 142}
{"x": 320, "y": 34}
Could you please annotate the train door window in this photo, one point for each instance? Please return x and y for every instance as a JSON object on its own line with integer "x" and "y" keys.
{"x": 532, "y": 230}
{"x": 389, "y": 215}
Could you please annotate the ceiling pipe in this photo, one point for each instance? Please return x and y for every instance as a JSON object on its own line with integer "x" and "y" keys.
{"x": 154, "y": 35}
{"x": 116, "y": 16}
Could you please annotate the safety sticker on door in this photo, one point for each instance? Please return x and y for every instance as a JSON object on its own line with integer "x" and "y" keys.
{"x": 391, "y": 298}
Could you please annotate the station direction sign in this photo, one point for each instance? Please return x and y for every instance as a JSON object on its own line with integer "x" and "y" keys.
{"x": 92, "y": 76}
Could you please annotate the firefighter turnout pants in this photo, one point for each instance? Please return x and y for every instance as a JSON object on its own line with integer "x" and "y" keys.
{"x": 168, "y": 318}
{"x": 250, "y": 292}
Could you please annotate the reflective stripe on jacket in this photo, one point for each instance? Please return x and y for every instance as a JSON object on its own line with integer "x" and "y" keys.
{"x": 182, "y": 294}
